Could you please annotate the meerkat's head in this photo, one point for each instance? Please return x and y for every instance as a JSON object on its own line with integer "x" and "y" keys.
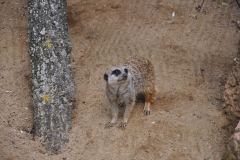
{"x": 117, "y": 75}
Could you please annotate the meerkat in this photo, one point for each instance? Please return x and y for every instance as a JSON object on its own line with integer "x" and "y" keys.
{"x": 123, "y": 83}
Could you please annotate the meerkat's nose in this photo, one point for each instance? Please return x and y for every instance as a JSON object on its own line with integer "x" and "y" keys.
{"x": 124, "y": 75}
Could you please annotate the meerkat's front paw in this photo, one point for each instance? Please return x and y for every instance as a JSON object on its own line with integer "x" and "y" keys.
{"x": 122, "y": 125}
{"x": 109, "y": 125}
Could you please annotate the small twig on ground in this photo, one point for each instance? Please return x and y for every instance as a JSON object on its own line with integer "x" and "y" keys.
{"x": 207, "y": 158}
{"x": 238, "y": 3}
{"x": 4, "y": 120}
{"x": 237, "y": 22}
{"x": 30, "y": 130}
{"x": 198, "y": 8}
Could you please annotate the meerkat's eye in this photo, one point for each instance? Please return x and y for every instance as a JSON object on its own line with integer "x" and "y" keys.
{"x": 116, "y": 72}
{"x": 105, "y": 77}
{"x": 126, "y": 70}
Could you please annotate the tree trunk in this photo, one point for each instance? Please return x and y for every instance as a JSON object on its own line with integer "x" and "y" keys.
{"x": 53, "y": 85}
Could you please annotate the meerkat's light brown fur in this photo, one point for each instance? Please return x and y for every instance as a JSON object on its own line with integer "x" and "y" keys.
{"x": 124, "y": 82}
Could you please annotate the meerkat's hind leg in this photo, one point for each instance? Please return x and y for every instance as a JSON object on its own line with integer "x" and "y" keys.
{"x": 114, "y": 116}
{"x": 147, "y": 110}
{"x": 149, "y": 96}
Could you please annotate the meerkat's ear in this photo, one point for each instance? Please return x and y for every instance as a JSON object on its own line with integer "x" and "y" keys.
{"x": 105, "y": 77}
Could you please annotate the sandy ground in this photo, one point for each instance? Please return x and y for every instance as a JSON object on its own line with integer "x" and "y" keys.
{"x": 186, "y": 121}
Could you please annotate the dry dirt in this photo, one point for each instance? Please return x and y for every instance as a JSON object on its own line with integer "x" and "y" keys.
{"x": 192, "y": 58}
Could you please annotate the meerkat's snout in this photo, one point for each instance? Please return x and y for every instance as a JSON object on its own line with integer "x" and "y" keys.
{"x": 125, "y": 76}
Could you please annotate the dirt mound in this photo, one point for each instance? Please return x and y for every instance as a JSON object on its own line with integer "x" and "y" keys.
{"x": 231, "y": 105}
{"x": 231, "y": 96}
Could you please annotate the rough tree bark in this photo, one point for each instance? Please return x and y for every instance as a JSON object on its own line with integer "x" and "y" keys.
{"x": 53, "y": 88}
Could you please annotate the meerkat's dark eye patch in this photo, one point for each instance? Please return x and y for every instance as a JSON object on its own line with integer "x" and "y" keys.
{"x": 126, "y": 70}
{"x": 116, "y": 72}
{"x": 105, "y": 77}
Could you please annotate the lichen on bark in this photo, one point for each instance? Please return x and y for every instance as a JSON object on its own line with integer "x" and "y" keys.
{"x": 54, "y": 87}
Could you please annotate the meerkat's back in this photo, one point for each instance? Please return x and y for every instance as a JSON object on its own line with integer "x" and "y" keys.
{"x": 142, "y": 72}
